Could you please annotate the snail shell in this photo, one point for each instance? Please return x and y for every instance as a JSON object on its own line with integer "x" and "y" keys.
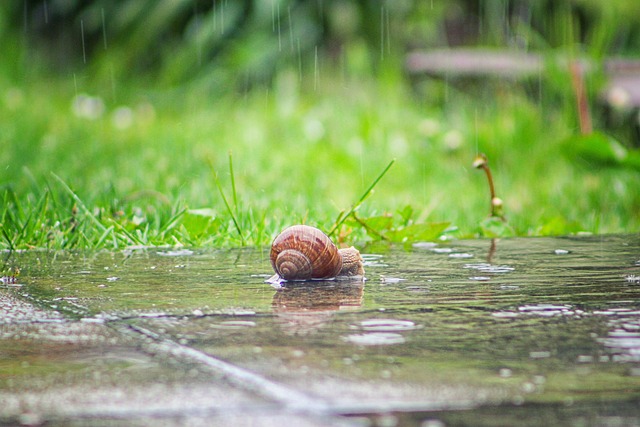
{"x": 302, "y": 252}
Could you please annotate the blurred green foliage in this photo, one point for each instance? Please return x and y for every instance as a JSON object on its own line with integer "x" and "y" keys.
{"x": 220, "y": 40}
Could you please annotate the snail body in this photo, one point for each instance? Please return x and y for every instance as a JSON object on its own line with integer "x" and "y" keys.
{"x": 302, "y": 252}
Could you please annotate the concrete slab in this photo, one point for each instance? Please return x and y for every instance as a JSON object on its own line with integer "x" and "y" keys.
{"x": 472, "y": 330}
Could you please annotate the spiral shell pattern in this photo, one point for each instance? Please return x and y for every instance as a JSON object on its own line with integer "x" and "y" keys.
{"x": 302, "y": 252}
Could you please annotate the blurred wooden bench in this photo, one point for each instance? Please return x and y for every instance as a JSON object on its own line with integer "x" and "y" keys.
{"x": 623, "y": 75}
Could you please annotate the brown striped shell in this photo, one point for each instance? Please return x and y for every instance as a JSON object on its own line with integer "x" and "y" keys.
{"x": 302, "y": 252}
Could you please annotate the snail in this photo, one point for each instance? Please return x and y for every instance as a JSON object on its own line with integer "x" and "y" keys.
{"x": 302, "y": 252}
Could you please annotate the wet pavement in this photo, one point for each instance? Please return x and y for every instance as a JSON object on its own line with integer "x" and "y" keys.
{"x": 528, "y": 331}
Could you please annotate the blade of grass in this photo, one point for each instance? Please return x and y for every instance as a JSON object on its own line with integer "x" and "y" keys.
{"x": 8, "y": 220}
{"x": 19, "y": 224}
{"x": 8, "y": 239}
{"x": 29, "y": 231}
{"x": 81, "y": 205}
{"x": 43, "y": 207}
{"x": 172, "y": 222}
{"x": 226, "y": 203}
{"x": 365, "y": 195}
{"x": 104, "y": 236}
{"x": 22, "y": 233}
{"x": 11, "y": 198}
{"x": 233, "y": 184}
{"x": 126, "y": 235}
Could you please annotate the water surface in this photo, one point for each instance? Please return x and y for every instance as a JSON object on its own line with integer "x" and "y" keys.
{"x": 479, "y": 332}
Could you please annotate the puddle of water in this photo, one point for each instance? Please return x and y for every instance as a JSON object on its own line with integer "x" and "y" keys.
{"x": 522, "y": 322}
{"x": 77, "y": 371}
{"x": 136, "y": 281}
{"x": 567, "y": 414}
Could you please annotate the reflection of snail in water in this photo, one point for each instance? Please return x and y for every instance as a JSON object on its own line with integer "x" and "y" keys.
{"x": 302, "y": 252}
{"x": 303, "y": 307}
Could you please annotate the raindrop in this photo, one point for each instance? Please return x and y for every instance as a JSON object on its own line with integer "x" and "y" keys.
{"x": 461, "y": 255}
{"x": 632, "y": 278}
{"x": 299, "y": 61}
{"x": 385, "y": 36}
{"x": 316, "y": 73}
{"x": 546, "y": 310}
{"x": 389, "y": 280}
{"x": 196, "y": 24}
{"x": 424, "y": 245}
{"x": 179, "y": 252}
{"x": 84, "y": 54}
{"x": 375, "y": 338}
{"x": 488, "y": 268}
{"x": 387, "y": 325}
{"x": 290, "y": 29}
{"x": 373, "y": 260}
{"x": 382, "y": 33}
{"x": 388, "y": 34}
{"x": 279, "y": 31}
{"x": 273, "y": 17}
{"x": 104, "y": 29}
{"x": 442, "y": 250}
{"x": 222, "y": 19}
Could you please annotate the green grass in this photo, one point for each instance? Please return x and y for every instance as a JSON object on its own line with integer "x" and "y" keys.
{"x": 304, "y": 149}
